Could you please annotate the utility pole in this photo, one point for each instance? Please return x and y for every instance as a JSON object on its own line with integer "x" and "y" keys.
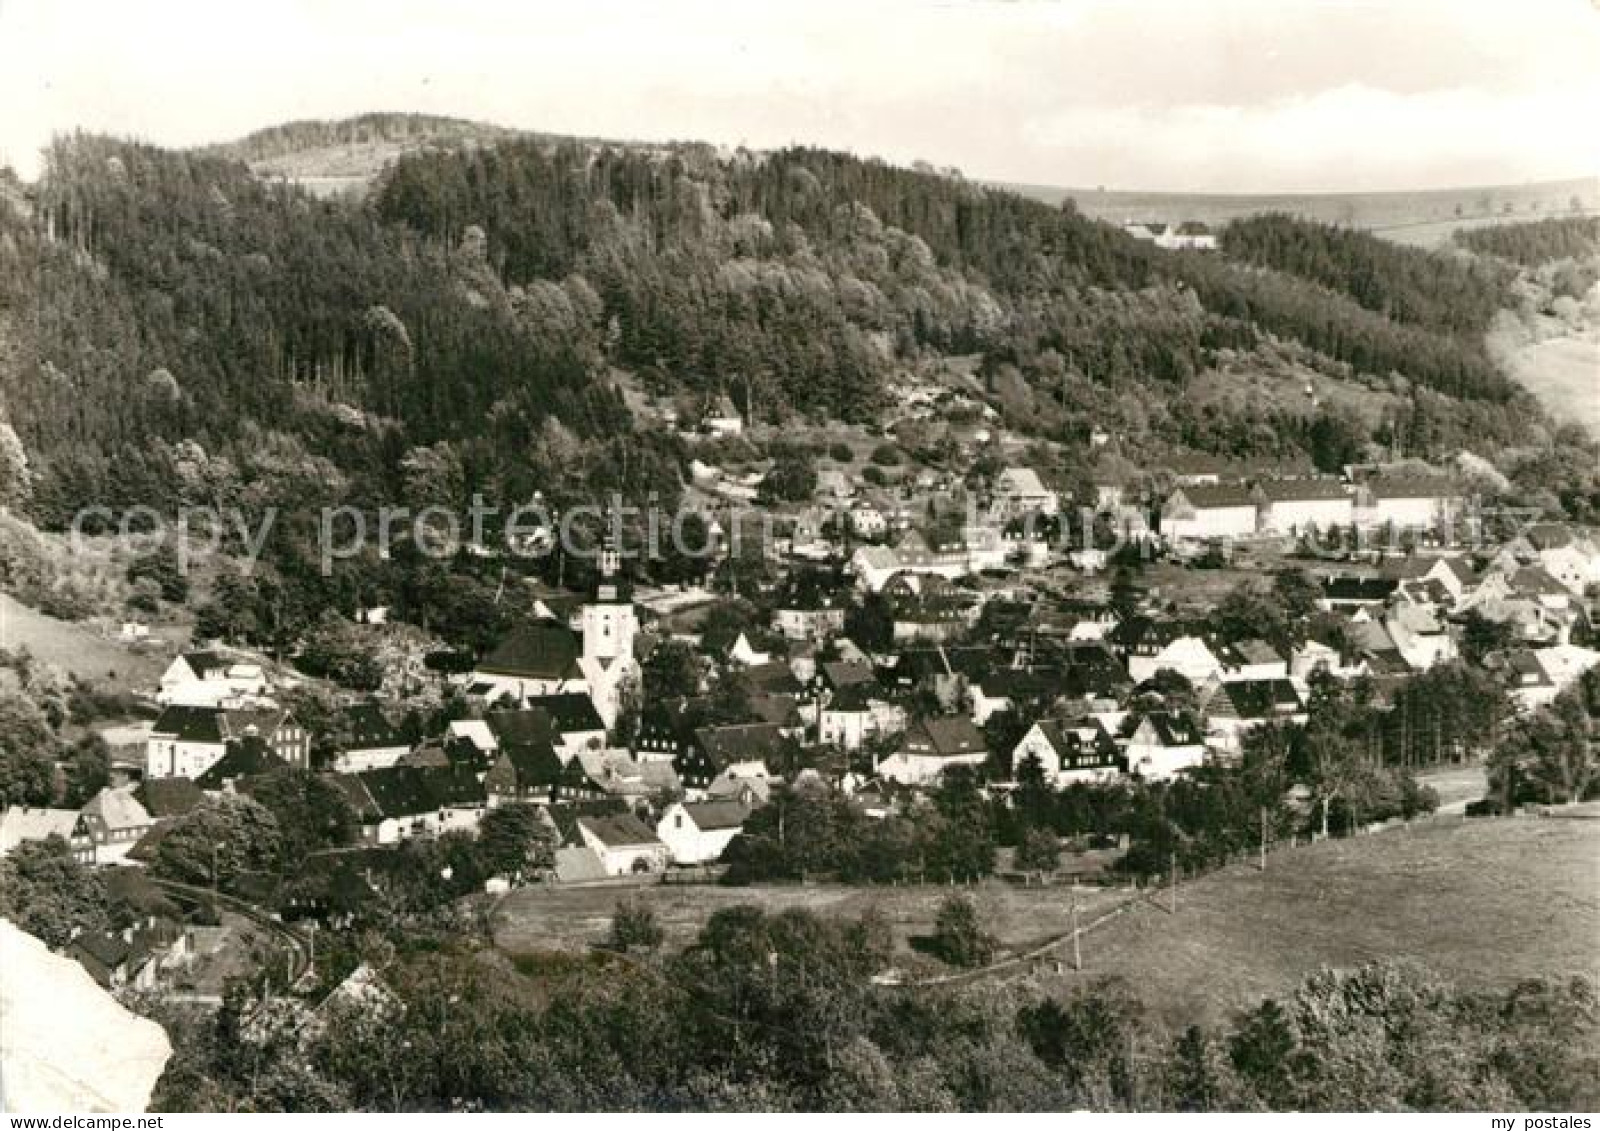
{"x": 1077, "y": 951}
{"x": 1263, "y": 838}
{"x": 1172, "y": 901}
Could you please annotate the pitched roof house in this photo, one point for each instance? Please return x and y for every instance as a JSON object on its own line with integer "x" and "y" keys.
{"x": 932, "y": 745}
{"x": 404, "y": 801}
{"x": 1202, "y": 512}
{"x": 19, "y": 823}
{"x": 185, "y": 741}
{"x": 626, "y": 845}
{"x": 714, "y": 749}
{"x": 1161, "y": 745}
{"x": 369, "y": 740}
{"x": 699, "y": 832}
{"x": 1069, "y": 751}
{"x": 1234, "y": 708}
{"x": 1296, "y": 506}
{"x": 1019, "y": 490}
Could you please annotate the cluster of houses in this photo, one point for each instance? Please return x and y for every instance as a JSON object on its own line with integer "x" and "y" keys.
{"x": 1203, "y": 508}
{"x": 1182, "y": 235}
{"x": 561, "y": 714}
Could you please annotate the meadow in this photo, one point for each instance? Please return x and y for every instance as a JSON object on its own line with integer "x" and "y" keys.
{"x": 1483, "y": 903}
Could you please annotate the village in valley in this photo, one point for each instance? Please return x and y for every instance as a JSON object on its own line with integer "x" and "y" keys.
{"x": 870, "y": 654}
{"x": 718, "y": 580}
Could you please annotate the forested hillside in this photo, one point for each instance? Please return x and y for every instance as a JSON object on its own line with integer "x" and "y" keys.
{"x": 156, "y": 304}
{"x": 1536, "y": 243}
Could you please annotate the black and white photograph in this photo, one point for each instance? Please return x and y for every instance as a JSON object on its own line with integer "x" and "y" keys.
{"x": 801, "y": 556}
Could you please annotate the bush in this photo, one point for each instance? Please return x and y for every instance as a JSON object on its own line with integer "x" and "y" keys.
{"x": 875, "y": 476}
{"x": 793, "y": 478}
{"x": 887, "y": 455}
{"x": 634, "y": 927}
{"x": 841, "y": 453}
{"x": 1417, "y": 799}
{"x": 957, "y": 937}
{"x": 1040, "y": 851}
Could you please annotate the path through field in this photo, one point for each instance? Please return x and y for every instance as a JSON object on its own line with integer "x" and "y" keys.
{"x": 1482, "y": 902}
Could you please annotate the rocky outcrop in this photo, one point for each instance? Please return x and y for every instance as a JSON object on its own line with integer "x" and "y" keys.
{"x": 65, "y": 1043}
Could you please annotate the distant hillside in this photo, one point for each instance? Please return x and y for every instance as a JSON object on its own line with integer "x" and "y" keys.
{"x": 467, "y": 316}
{"x": 329, "y": 157}
{"x": 1425, "y": 218}
{"x": 344, "y": 156}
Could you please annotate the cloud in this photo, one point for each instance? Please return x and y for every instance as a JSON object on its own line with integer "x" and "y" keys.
{"x": 1229, "y": 94}
{"x": 1351, "y": 138}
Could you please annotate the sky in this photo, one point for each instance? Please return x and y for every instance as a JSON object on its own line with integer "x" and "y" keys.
{"x": 1176, "y": 95}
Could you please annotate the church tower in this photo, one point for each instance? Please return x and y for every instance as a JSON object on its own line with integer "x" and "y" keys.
{"x": 608, "y": 620}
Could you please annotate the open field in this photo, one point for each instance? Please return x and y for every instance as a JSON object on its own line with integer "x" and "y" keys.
{"x": 538, "y": 919}
{"x": 77, "y": 649}
{"x": 1424, "y": 218}
{"x": 1483, "y": 903}
{"x": 1563, "y": 373}
{"x": 1456, "y": 785}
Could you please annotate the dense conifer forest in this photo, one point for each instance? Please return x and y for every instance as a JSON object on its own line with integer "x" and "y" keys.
{"x": 157, "y": 306}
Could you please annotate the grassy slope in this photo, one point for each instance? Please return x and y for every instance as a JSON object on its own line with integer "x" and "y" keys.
{"x": 76, "y": 648}
{"x": 1484, "y": 903}
{"x": 566, "y": 918}
{"x": 1562, "y": 372}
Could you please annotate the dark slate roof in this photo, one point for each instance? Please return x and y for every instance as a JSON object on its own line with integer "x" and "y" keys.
{"x": 855, "y": 697}
{"x": 571, "y": 712}
{"x": 809, "y": 590}
{"x": 242, "y": 758}
{"x": 1536, "y": 581}
{"x": 780, "y": 710}
{"x": 945, "y": 736}
{"x": 168, "y": 797}
{"x": 709, "y": 815}
{"x": 1145, "y": 632}
{"x": 545, "y": 649}
{"x": 1171, "y": 729}
{"x": 369, "y": 728}
{"x": 1061, "y": 735}
{"x": 1261, "y": 698}
{"x": 621, "y": 831}
{"x": 1209, "y": 496}
{"x": 203, "y": 664}
{"x": 108, "y": 948}
{"x": 915, "y": 664}
{"x": 532, "y": 726}
{"x": 1194, "y": 463}
{"x": 1252, "y": 651}
{"x": 1302, "y": 490}
{"x": 236, "y": 722}
{"x": 839, "y": 674}
{"x": 1019, "y": 683}
{"x": 773, "y": 677}
{"x": 533, "y": 765}
{"x": 1414, "y": 488}
{"x": 1358, "y": 588}
{"x": 405, "y": 791}
{"x": 190, "y": 724}
{"x": 1548, "y": 535}
{"x": 745, "y": 742}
